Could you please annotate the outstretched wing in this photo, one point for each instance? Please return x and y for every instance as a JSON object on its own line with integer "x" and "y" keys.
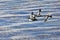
{"x": 46, "y": 18}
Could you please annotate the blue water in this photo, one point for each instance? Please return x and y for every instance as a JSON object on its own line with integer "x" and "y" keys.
{"x": 14, "y": 23}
